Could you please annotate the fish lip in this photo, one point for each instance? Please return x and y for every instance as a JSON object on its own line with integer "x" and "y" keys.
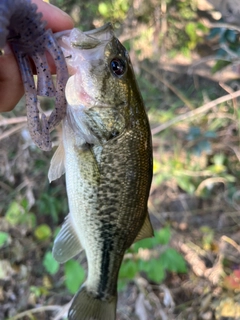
{"x": 94, "y": 38}
{"x": 103, "y": 34}
{"x": 108, "y": 27}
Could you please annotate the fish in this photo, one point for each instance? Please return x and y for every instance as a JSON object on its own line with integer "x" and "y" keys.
{"x": 23, "y": 28}
{"x": 106, "y": 154}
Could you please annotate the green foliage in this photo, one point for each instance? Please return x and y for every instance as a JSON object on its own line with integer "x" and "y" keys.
{"x": 115, "y": 10}
{"x": 229, "y": 44}
{"x": 195, "y": 31}
{"x": 51, "y": 265}
{"x": 43, "y": 232}
{"x": 155, "y": 268}
{"x": 128, "y": 269}
{"x": 207, "y": 237}
{"x": 160, "y": 237}
{"x": 74, "y": 275}
{"x": 49, "y": 204}
{"x": 39, "y": 291}
{"x": 190, "y": 32}
{"x": 3, "y": 238}
{"x": 18, "y": 214}
{"x": 163, "y": 236}
{"x": 183, "y": 166}
{"x": 172, "y": 261}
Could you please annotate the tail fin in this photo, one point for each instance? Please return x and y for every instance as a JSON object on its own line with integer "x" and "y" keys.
{"x": 86, "y": 307}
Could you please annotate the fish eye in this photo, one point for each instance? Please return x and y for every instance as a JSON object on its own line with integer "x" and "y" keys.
{"x": 118, "y": 66}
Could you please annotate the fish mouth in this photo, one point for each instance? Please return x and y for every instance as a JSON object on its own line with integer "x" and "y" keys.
{"x": 93, "y": 38}
{"x": 87, "y": 39}
{"x": 101, "y": 33}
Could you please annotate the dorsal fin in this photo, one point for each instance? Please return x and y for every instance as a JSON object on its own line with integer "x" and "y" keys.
{"x": 146, "y": 231}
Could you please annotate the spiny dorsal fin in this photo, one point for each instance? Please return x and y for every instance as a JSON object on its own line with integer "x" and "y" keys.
{"x": 67, "y": 244}
{"x": 57, "y": 168}
{"x": 146, "y": 231}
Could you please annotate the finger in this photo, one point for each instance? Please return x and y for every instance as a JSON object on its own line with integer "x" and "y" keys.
{"x": 57, "y": 20}
{"x": 11, "y": 86}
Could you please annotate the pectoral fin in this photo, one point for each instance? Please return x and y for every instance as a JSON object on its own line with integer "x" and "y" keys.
{"x": 57, "y": 168}
{"x": 67, "y": 243}
{"x": 146, "y": 231}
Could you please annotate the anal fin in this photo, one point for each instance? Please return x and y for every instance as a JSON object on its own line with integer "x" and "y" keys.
{"x": 67, "y": 243}
{"x": 146, "y": 230}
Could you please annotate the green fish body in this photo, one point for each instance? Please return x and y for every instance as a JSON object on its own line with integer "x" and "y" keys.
{"x": 107, "y": 157}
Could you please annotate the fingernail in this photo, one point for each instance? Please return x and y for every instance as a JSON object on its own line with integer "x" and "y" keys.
{"x": 7, "y": 50}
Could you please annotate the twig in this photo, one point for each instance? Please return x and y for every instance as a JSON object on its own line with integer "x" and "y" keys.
{"x": 231, "y": 241}
{"x": 201, "y": 61}
{"x": 35, "y": 310}
{"x": 223, "y": 25}
{"x": 8, "y": 121}
{"x": 62, "y": 311}
{"x": 186, "y": 116}
{"x": 5, "y": 186}
{"x": 233, "y": 56}
{"x": 170, "y": 86}
{"x": 12, "y": 131}
{"x": 208, "y": 181}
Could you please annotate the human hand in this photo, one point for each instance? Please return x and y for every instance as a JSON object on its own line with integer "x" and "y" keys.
{"x": 11, "y": 87}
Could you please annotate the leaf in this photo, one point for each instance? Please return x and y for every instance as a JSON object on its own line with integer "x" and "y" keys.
{"x": 3, "y": 238}
{"x": 43, "y": 232}
{"x": 231, "y": 35}
{"x": 51, "y": 265}
{"x": 14, "y": 212}
{"x": 214, "y": 32}
{"x": 156, "y": 272}
{"x": 219, "y": 65}
{"x": 185, "y": 184}
{"x": 194, "y": 133}
{"x": 156, "y": 166}
{"x": 210, "y": 134}
{"x": 172, "y": 261}
{"x": 121, "y": 285}
{"x": 153, "y": 268}
{"x": 163, "y": 236}
{"x": 230, "y": 178}
{"x": 128, "y": 269}
{"x": 191, "y": 31}
{"x": 74, "y": 275}
{"x": 219, "y": 159}
{"x": 103, "y": 9}
{"x": 148, "y": 243}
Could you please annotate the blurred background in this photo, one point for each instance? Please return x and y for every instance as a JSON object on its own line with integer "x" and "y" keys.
{"x": 186, "y": 56}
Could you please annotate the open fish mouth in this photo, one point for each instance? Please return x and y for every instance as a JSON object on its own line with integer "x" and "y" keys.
{"x": 93, "y": 38}
{"x": 104, "y": 32}
{"x": 86, "y": 58}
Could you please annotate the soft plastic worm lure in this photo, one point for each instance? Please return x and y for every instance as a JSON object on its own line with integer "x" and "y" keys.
{"x": 21, "y": 25}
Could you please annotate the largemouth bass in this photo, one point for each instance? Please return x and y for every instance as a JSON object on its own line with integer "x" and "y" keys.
{"x": 107, "y": 157}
